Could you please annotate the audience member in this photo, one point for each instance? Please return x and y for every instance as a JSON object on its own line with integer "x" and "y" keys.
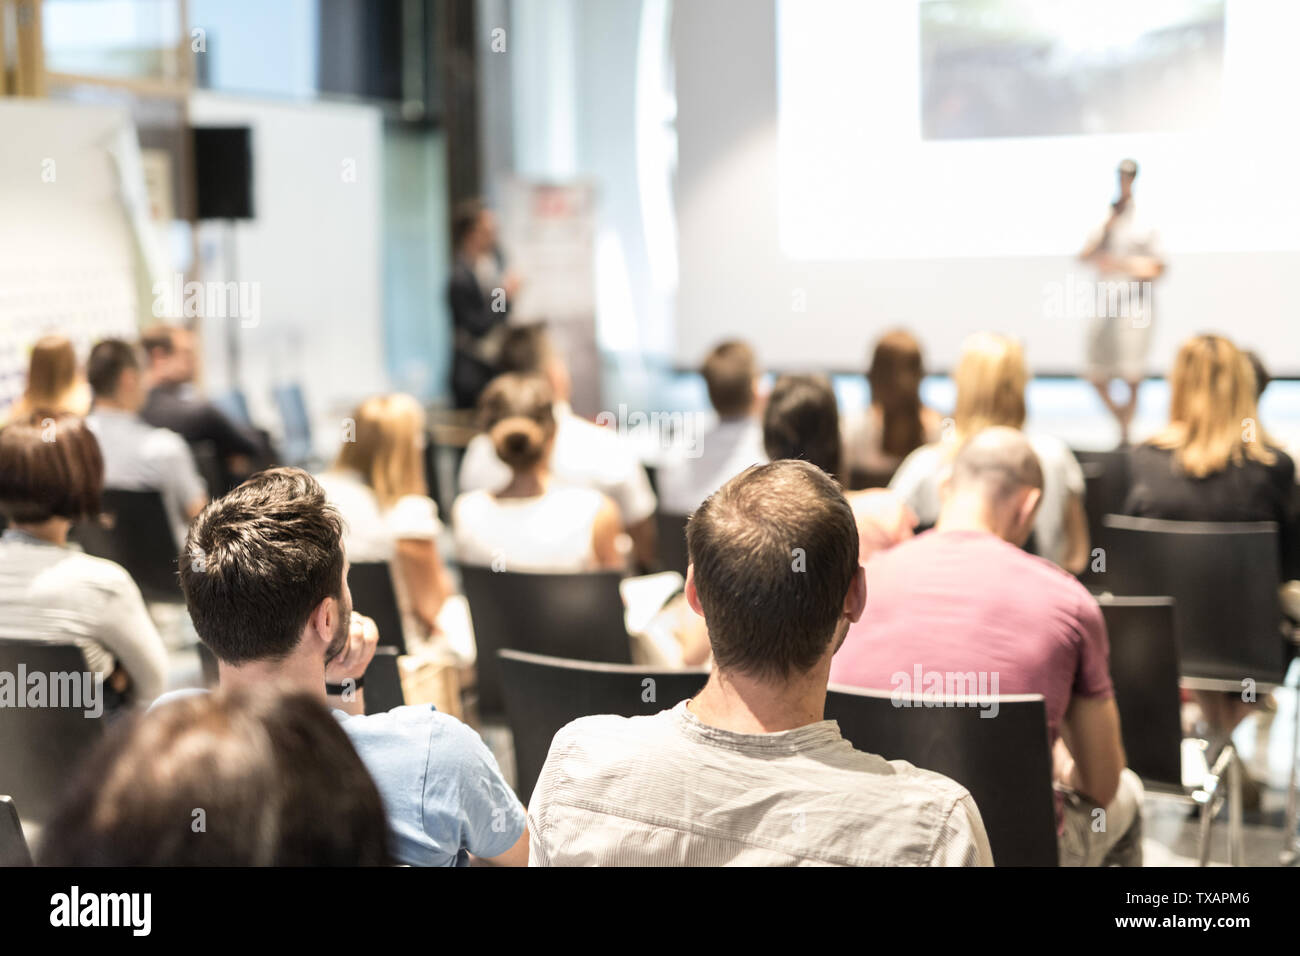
{"x": 731, "y": 445}
{"x": 964, "y": 598}
{"x": 51, "y": 473}
{"x": 54, "y": 381}
{"x": 896, "y": 423}
{"x": 532, "y": 522}
{"x": 991, "y": 379}
{"x": 748, "y": 772}
{"x": 378, "y": 485}
{"x": 231, "y": 779}
{"x": 173, "y": 403}
{"x": 138, "y": 456}
{"x": 265, "y": 580}
{"x": 583, "y": 453}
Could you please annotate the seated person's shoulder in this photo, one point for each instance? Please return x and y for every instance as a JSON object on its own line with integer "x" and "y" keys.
{"x": 413, "y": 731}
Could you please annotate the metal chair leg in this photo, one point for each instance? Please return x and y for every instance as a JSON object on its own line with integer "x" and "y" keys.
{"x": 1210, "y": 796}
{"x": 1291, "y": 843}
{"x": 1236, "y": 844}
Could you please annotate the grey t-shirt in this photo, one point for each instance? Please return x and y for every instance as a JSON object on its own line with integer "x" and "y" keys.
{"x": 670, "y": 790}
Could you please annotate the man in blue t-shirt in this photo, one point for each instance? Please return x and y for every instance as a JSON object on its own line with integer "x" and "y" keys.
{"x": 265, "y": 581}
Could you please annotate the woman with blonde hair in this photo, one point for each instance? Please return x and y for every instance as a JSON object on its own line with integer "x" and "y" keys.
{"x": 55, "y": 383}
{"x": 377, "y": 483}
{"x": 896, "y": 423}
{"x": 532, "y": 523}
{"x": 991, "y": 378}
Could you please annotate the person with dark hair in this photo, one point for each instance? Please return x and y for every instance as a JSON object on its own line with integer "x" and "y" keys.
{"x": 896, "y": 423}
{"x": 51, "y": 474}
{"x": 138, "y": 456}
{"x": 748, "y": 772}
{"x": 265, "y": 581}
{"x": 244, "y": 778}
{"x": 479, "y": 294}
{"x": 583, "y": 453}
{"x": 533, "y": 523}
{"x": 965, "y": 599}
{"x": 173, "y": 403}
{"x": 732, "y": 444}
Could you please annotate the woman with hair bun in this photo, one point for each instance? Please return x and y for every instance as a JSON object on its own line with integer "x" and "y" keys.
{"x": 534, "y": 523}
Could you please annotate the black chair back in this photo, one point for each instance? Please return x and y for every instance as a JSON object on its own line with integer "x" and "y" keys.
{"x": 576, "y": 616}
{"x": 1223, "y": 577}
{"x": 13, "y": 845}
{"x": 544, "y": 693}
{"x": 1004, "y": 761}
{"x": 373, "y": 594}
{"x": 670, "y": 539}
{"x": 1106, "y": 481}
{"x": 133, "y": 530}
{"x": 40, "y": 746}
{"x": 1144, "y": 670}
{"x": 383, "y": 682}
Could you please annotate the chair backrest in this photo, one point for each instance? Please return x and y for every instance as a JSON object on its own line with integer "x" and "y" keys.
{"x": 670, "y": 539}
{"x": 1223, "y": 577}
{"x": 133, "y": 530}
{"x": 1144, "y": 670}
{"x": 13, "y": 845}
{"x": 575, "y": 616}
{"x": 211, "y": 468}
{"x": 40, "y": 745}
{"x": 373, "y": 594}
{"x": 1004, "y": 761}
{"x": 544, "y": 693}
{"x": 1106, "y": 481}
{"x": 383, "y": 682}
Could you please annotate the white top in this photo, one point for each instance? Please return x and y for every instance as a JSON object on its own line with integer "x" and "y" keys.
{"x": 724, "y": 451}
{"x": 53, "y": 593}
{"x": 863, "y": 431}
{"x": 371, "y": 533}
{"x": 670, "y": 790}
{"x": 139, "y": 457}
{"x": 585, "y": 454}
{"x": 550, "y": 533}
{"x": 1131, "y": 235}
{"x": 919, "y": 476}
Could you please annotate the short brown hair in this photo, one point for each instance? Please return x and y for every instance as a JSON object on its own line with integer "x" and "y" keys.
{"x": 774, "y": 553}
{"x": 464, "y": 218}
{"x": 108, "y": 360}
{"x": 517, "y": 412}
{"x": 526, "y": 349}
{"x": 159, "y": 338}
{"x": 729, "y": 371}
{"x": 258, "y": 561}
{"x": 50, "y": 467}
{"x": 276, "y": 775}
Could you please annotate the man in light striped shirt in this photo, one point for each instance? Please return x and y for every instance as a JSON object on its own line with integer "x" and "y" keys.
{"x": 748, "y": 772}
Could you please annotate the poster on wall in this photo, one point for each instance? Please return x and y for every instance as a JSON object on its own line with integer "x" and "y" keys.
{"x": 548, "y": 235}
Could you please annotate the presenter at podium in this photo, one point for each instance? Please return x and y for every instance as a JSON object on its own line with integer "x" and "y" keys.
{"x": 1125, "y": 251}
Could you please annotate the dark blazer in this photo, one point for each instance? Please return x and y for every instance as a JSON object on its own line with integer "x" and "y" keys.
{"x": 472, "y": 319}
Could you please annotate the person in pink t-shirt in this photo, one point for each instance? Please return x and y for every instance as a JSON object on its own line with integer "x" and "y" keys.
{"x": 964, "y": 597}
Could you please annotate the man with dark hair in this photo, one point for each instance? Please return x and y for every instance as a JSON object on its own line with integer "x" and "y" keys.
{"x": 138, "y": 456}
{"x": 732, "y": 444}
{"x": 173, "y": 403}
{"x": 479, "y": 294}
{"x": 265, "y": 581}
{"x": 965, "y": 598}
{"x": 748, "y": 772}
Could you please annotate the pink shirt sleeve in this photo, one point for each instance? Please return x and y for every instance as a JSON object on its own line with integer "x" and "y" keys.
{"x": 1092, "y": 677}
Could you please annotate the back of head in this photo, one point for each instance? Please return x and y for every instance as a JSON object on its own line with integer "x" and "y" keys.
{"x": 526, "y": 349}
{"x": 274, "y": 777}
{"x": 1212, "y": 397}
{"x": 465, "y": 216}
{"x": 258, "y": 561}
{"x": 773, "y": 553}
{"x": 516, "y": 411}
{"x": 51, "y": 373}
{"x": 895, "y": 376}
{"x": 158, "y": 340}
{"x": 50, "y": 467}
{"x": 991, "y": 379}
{"x": 995, "y": 465}
{"x": 108, "y": 361}
{"x": 387, "y": 447}
{"x": 730, "y": 371}
{"x": 802, "y": 420}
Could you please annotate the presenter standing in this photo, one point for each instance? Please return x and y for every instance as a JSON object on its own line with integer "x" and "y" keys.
{"x": 1125, "y": 251}
{"x": 480, "y": 292}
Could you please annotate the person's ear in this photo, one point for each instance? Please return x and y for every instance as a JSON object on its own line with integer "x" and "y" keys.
{"x": 323, "y": 621}
{"x": 1028, "y": 509}
{"x": 693, "y": 596}
{"x": 855, "y": 601}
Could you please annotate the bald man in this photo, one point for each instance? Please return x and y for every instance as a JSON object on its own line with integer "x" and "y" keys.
{"x": 965, "y": 602}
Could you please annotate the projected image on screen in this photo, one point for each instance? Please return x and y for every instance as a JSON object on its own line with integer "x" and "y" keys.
{"x": 1015, "y": 68}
